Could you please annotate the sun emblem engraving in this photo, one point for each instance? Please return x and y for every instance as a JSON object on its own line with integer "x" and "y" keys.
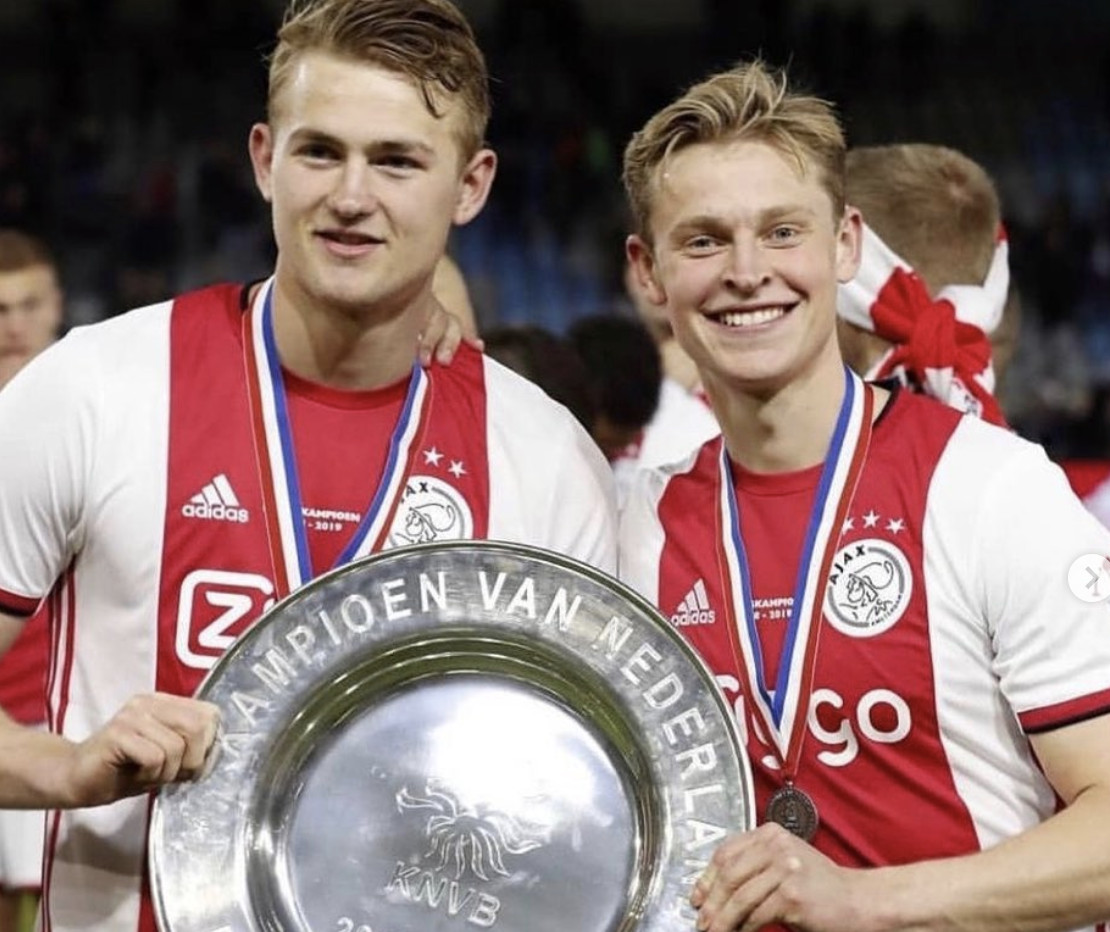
{"x": 471, "y": 839}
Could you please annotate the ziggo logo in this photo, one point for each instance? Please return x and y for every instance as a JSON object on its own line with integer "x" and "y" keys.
{"x": 881, "y": 716}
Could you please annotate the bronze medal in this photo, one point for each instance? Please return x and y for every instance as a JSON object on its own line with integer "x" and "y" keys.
{"x": 794, "y": 811}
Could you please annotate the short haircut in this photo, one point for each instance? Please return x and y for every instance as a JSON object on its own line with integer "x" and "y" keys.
{"x": 935, "y": 207}
{"x": 623, "y": 365}
{"x": 429, "y": 42}
{"x": 748, "y": 103}
{"x": 19, "y": 251}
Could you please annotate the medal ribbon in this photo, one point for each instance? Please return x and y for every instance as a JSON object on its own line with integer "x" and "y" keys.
{"x": 277, "y": 465}
{"x": 783, "y": 711}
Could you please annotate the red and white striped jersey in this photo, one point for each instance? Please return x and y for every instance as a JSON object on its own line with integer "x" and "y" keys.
{"x": 130, "y": 474}
{"x": 948, "y": 632}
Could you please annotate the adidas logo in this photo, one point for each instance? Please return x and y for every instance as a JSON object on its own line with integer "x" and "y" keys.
{"x": 216, "y": 502}
{"x": 694, "y": 609}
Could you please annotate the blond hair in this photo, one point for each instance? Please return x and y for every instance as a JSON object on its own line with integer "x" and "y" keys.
{"x": 427, "y": 41}
{"x": 934, "y": 206}
{"x": 749, "y": 102}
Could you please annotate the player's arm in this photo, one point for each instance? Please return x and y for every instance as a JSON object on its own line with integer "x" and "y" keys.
{"x": 1053, "y": 876}
{"x": 154, "y": 739}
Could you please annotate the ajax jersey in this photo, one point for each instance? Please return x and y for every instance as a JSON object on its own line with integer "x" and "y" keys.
{"x": 137, "y": 487}
{"x": 939, "y": 647}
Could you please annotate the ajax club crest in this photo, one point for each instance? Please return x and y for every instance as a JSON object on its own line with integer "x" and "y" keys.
{"x": 869, "y": 588}
{"x": 430, "y": 509}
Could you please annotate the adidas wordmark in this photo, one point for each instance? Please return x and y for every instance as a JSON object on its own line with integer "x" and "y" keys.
{"x": 216, "y": 502}
{"x": 694, "y": 609}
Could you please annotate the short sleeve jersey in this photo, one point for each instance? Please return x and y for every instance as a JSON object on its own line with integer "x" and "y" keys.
{"x": 130, "y": 487}
{"x": 948, "y": 632}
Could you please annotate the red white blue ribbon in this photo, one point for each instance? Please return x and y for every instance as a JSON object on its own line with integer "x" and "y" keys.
{"x": 274, "y": 448}
{"x": 782, "y": 707}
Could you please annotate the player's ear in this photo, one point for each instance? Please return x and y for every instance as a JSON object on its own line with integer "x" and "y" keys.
{"x": 261, "y": 147}
{"x": 644, "y": 269}
{"x": 849, "y": 241}
{"x": 477, "y": 177}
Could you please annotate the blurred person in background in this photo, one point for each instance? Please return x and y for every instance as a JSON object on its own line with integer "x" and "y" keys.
{"x": 549, "y": 361}
{"x": 625, "y": 373}
{"x": 30, "y": 320}
{"x": 933, "y": 305}
{"x": 934, "y": 275}
{"x": 149, "y": 448}
{"x": 30, "y": 301}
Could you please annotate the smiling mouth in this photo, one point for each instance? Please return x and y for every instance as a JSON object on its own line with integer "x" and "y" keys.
{"x": 756, "y": 317}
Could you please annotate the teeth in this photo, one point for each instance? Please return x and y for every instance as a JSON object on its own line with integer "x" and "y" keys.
{"x": 752, "y": 318}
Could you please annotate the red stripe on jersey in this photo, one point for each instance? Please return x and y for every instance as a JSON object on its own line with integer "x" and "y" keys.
{"x": 18, "y": 605}
{"x": 53, "y": 825}
{"x": 1065, "y": 713}
{"x": 217, "y": 574}
{"x": 217, "y": 569}
{"x": 872, "y": 760}
{"x": 65, "y": 626}
{"x": 61, "y": 596}
{"x": 62, "y": 620}
{"x": 23, "y": 670}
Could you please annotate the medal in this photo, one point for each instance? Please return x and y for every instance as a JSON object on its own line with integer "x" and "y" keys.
{"x": 794, "y": 811}
{"x": 780, "y": 706}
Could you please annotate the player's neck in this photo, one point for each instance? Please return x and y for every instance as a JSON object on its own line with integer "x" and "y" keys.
{"x": 784, "y": 430}
{"x": 342, "y": 350}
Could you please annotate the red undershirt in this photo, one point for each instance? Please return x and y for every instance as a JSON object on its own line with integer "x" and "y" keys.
{"x": 774, "y": 515}
{"x": 341, "y": 440}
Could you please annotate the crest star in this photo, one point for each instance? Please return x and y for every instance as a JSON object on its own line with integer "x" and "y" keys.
{"x": 849, "y": 525}
{"x": 895, "y": 525}
{"x": 457, "y": 469}
{"x": 432, "y": 456}
{"x": 870, "y": 519}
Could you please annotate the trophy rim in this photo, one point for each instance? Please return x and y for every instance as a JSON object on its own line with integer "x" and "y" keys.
{"x": 497, "y": 658}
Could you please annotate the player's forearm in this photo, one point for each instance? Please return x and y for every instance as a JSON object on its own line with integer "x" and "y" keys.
{"x": 33, "y": 767}
{"x": 1052, "y": 878}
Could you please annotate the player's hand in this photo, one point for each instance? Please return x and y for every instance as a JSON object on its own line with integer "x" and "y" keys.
{"x": 770, "y": 876}
{"x": 441, "y": 336}
{"x": 153, "y": 740}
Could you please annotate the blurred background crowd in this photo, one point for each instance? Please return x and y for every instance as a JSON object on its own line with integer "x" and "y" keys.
{"x": 123, "y": 127}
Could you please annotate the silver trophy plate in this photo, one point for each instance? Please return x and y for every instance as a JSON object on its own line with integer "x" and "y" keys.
{"x": 449, "y": 737}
